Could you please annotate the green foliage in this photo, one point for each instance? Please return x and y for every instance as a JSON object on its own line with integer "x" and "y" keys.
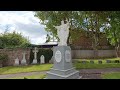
{"x": 3, "y": 57}
{"x": 90, "y": 21}
{"x": 13, "y": 40}
{"x": 48, "y": 53}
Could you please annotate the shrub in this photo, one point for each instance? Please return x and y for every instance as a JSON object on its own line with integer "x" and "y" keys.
{"x": 48, "y": 53}
{"x": 3, "y": 58}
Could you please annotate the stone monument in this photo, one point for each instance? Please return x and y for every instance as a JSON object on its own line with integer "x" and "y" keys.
{"x": 35, "y": 51}
{"x": 16, "y": 62}
{"x": 23, "y": 62}
{"x": 42, "y": 59}
{"x": 62, "y": 68}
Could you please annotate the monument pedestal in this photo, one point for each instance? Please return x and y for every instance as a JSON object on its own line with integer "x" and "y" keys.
{"x": 62, "y": 68}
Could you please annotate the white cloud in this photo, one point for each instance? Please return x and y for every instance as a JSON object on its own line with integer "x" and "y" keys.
{"x": 23, "y": 22}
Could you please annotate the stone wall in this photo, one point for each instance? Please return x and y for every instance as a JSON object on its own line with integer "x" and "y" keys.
{"x": 13, "y": 54}
{"x": 76, "y": 54}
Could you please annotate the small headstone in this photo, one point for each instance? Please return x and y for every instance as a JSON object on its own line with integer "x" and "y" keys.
{"x": 100, "y": 62}
{"x": 83, "y": 62}
{"x": 16, "y": 62}
{"x": 117, "y": 61}
{"x": 42, "y": 59}
{"x": 92, "y": 62}
{"x": 23, "y": 62}
{"x": 108, "y": 61}
{"x": 35, "y": 51}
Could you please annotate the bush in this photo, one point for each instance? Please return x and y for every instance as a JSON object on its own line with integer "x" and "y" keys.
{"x": 3, "y": 58}
{"x": 47, "y": 54}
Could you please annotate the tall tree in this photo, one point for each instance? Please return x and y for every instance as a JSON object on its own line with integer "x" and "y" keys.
{"x": 53, "y": 18}
{"x": 113, "y": 30}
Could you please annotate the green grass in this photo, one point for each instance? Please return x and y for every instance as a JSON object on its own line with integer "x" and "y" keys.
{"x": 114, "y": 75}
{"x": 96, "y": 65}
{"x": 44, "y": 67}
{"x": 19, "y": 69}
{"x": 98, "y": 59}
{"x": 41, "y": 76}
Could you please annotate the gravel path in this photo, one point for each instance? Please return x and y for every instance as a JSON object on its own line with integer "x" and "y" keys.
{"x": 20, "y": 74}
{"x": 85, "y": 73}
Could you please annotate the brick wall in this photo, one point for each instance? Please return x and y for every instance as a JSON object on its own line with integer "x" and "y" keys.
{"x": 13, "y": 54}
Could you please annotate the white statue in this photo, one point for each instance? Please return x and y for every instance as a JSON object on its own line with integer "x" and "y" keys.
{"x": 63, "y": 33}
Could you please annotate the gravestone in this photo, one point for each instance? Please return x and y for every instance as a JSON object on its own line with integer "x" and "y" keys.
{"x": 108, "y": 61}
{"x": 23, "y": 62}
{"x": 42, "y": 59}
{"x": 84, "y": 62}
{"x": 92, "y": 62}
{"x": 117, "y": 61}
{"x": 16, "y": 62}
{"x": 35, "y": 51}
{"x": 100, "y": 62}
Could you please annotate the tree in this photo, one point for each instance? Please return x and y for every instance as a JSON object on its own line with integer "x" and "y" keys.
{"x": 113, "y": 30}
{"x": 13, "y": 40}
{"x": 54, "y": 18}
{"x": 93, "y": 22}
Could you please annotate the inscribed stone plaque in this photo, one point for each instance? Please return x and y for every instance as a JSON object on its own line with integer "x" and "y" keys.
{"x": 58, "y": 56}
{"x": 67, "y": 56}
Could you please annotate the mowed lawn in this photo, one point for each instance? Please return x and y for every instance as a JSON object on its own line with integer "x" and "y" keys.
{"x": 113, "y": 75}
{"x": 44, "y": 67}
{"x": 39, "y": 76}
{"x": 79, "y": 65}
{"x": 29, "y": 68}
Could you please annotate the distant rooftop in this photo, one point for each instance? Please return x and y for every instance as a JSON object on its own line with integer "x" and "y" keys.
{"x": 49, "y": 43}
{"x": 46, "y": 45}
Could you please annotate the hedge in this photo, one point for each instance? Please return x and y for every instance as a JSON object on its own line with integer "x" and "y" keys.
{"x": 48, "y": 53}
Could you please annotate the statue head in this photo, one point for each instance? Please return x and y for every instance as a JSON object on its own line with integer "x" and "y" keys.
{"x": 62, "y": 22}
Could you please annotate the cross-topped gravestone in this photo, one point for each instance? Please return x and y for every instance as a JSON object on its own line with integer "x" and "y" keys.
{"x": 42, "y": 59}
{"x": 108, "y": 61}
{"x": 35, "y": 51}
{"x": 23, "y": 62}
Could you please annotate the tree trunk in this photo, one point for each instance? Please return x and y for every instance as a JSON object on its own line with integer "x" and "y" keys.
{"x": 95, "y": 47}
{"x": 117, "y": 51}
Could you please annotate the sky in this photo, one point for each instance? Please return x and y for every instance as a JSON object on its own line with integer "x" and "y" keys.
{"x": 23, "y": 22}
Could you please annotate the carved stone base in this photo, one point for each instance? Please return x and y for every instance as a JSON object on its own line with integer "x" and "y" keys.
{"x": 62, "y": 68}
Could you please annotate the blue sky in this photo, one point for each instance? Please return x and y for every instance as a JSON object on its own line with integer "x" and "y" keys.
{"x": 23, "y": 22}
